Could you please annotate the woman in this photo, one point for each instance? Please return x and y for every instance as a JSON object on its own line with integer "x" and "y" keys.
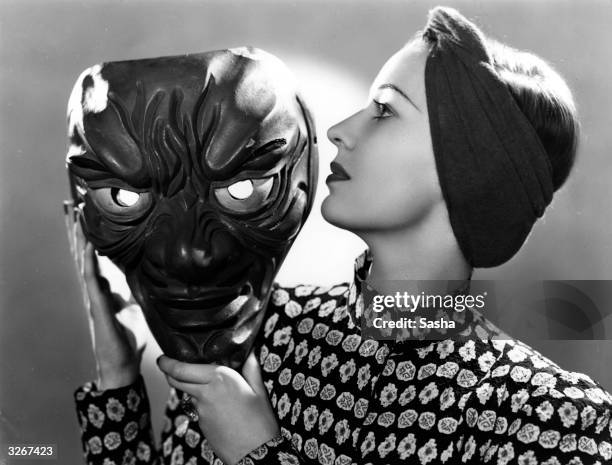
{"x": 448, "y": 167}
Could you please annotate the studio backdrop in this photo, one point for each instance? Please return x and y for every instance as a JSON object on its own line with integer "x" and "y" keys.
{"x": 335, "y": 49}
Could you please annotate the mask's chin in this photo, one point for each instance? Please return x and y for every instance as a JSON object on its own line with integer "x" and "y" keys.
{"x": 223, "y": 335}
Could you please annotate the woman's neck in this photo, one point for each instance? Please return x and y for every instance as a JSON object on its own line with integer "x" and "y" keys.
{"x": 425, "y": 252}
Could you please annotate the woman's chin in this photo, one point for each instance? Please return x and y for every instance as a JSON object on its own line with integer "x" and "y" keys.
{"x": 333, "y": 212}
{"x": 328, "y": 210}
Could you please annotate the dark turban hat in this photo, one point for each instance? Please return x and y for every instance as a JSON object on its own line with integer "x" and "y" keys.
{"x": 494, "y": 172}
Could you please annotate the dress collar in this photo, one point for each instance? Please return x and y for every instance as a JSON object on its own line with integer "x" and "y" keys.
{"x": 356, "y": 307}
{"x": 363, "y": 264}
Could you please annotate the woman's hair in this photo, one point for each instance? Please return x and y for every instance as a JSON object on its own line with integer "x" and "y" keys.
{"x": 543, "y": 97}
{"x": 504, "y": 134}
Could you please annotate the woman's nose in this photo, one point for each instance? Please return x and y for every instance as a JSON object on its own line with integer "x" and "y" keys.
{"x": 333, "y": 135}
{"x": 339, "y": 134}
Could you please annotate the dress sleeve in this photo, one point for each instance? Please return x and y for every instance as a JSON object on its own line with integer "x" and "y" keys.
{"x": 115, "y": 424}
{"x": 277, "y": 451}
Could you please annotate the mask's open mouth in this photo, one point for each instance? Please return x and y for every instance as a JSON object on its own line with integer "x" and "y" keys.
{"x": 218, "y": 308}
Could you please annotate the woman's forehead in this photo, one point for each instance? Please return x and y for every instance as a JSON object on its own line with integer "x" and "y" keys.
{"x": 406, "y": 70}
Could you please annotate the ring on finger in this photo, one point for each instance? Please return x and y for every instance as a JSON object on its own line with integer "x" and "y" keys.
{"x": 188, "y": 408}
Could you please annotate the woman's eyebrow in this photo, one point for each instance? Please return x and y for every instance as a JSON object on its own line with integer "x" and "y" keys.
{"x": 401, "y": 92}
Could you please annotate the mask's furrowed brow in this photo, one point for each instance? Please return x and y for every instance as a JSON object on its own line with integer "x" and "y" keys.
{"x": 262, "y": 157}
{"x": 401, "y": 92}
{"x": 87, "y": 166}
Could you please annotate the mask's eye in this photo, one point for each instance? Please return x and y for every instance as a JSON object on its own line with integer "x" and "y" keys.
{"x": 241, "y": 190}
{"x": 120, "y": 201}
{"x": 124, "y": 198}
{"x": 246, "y": 195}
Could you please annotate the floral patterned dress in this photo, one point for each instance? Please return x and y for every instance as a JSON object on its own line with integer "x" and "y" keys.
{"x": 343, "y": 399}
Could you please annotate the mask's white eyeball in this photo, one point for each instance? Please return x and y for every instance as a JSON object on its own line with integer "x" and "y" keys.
{"x": 125, "y": 198}
{"x": 241, "y": 190}
{"x": 246, "y": 195}
{"x": 117, "y": 201}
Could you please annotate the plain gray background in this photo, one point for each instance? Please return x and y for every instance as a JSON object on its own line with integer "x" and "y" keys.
{"x": 336, "y": 48}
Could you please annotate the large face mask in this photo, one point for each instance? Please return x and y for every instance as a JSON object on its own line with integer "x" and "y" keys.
{"x": 193, "y": 174}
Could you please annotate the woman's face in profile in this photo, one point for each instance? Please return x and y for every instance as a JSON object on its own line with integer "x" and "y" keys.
{"x": 390, "y": 179}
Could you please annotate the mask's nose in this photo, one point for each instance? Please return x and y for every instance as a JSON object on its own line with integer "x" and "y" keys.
{"x": 193, "y": 250}
{"x": 189, "y": 260}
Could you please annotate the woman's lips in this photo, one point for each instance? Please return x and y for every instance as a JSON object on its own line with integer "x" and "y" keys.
{"x": 333, "y": 177}
{"x": 338, "y": 173}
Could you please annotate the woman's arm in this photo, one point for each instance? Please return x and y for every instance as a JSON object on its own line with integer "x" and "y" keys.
{"x": 116, "y": 424}
{"x": 114, "y": 412}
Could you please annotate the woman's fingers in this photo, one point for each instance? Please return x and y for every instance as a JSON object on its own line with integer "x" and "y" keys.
{"x": 90, "y": 265}
{"x": 91, "y": 272}
{"x": 187, "y": 372}
{"x": 130, "y": 316}
{"x": 98, "y": 290}
{"x": 192, "y": 389}
{"x": 69, "y": 223}
{"x": 80, "y": 243}
{"x": 96, "y": 285}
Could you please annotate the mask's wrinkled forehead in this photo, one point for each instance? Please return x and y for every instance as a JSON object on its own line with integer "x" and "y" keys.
{"x": 212, "y": 111}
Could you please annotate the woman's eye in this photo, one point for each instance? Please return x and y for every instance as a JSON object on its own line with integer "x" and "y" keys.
{"x": 124, "y": 198}
{"x": 382, "y": 110}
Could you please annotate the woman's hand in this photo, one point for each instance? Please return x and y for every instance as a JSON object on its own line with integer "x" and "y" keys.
{"x": 117, "y": 328}
{"x": 235, "y": 414}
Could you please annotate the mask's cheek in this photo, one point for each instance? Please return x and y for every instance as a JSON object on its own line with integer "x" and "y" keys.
{"x": 274, "y": 232}
{"x": 295, "y": 196}
{"x": 274, "y": 225}
{"x": 286, "y": 225}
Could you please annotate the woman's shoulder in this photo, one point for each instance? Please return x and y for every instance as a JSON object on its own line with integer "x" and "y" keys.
{"x": 527, "y": 370}
{"x": 536, "y": 400}
{"x": 530, "y": 406}
{"x": 316, "y": 301}
{"x": 520, "y": 365}
{"x": 303, "y": 291}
